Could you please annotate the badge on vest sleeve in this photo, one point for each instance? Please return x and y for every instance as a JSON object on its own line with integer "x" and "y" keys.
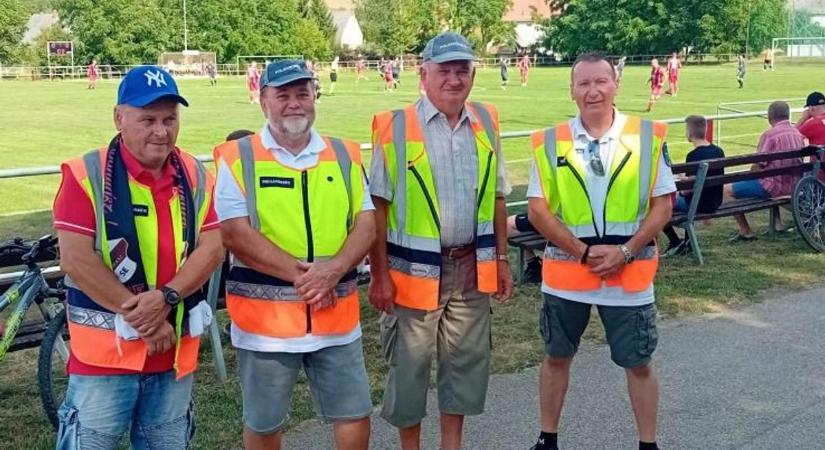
{"x": 666, "y": 155}
{"x": 561, "y": 161}
{"x": 279, "y": 182}
{"x": 123, "y": 267}
{"x": 140, "y": 210}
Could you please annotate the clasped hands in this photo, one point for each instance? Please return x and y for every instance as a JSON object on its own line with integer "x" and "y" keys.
{"x": 605, "y": 260}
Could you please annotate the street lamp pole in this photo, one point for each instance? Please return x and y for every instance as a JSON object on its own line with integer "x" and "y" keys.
{"x": 185, "y": 29}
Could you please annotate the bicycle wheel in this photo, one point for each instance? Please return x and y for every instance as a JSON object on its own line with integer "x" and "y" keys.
{"x": 51, "y": 366}
{"x": 809, "y": 211}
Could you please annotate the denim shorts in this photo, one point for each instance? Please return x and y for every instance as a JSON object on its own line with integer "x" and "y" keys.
{"x": 749, "y": 189}
{"x": 99, "y": 410}
{"x": 337, "y": 381}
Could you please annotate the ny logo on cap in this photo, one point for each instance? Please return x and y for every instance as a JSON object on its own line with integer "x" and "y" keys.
{"x": 157, "y": 77}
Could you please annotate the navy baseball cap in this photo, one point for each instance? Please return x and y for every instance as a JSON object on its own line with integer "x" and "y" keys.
{"x": 144, "y": 85}
{"x": 448, "y": 46}
{"x": 285, "y": 71}
{"x": 815, "y": 99}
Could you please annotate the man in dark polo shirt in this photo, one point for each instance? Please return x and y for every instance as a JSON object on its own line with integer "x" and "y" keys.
{"x": 695, "y": 129}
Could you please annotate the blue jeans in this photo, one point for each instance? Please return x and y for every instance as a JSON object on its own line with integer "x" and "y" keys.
{"x": 749, "y": 189}
{"x": 99, "y": 410}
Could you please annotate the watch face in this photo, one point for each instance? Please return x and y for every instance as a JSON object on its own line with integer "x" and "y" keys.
{"x": 171, "y": 296}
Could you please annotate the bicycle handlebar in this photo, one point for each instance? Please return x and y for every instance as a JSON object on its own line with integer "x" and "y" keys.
{"x": 27, "y": 253}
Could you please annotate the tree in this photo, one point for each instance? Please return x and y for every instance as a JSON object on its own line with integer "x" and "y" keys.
{"x": 480, "y": 20}
{"x": 120, "y": 31}
{"x": 661, "y": 26}
{"x": 393, "y": 25}
{"x": 13, "y": 19}
{"x": 316, "y": 11}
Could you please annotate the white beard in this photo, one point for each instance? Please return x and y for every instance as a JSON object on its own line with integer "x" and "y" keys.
{"x": 295, "y": 126}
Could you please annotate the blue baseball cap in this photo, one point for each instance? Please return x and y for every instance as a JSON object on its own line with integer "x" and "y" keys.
{"x": 448, "y": 46}
{"x": 284, "y": 72}
{"x": 144, "y": 85}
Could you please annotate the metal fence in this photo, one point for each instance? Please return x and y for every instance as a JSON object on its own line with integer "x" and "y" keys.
{"x": 53, "y": 170}
{"x": 107, "y": 71}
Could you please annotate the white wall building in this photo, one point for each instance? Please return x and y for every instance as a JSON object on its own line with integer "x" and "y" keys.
{"x": 347, "y": 30}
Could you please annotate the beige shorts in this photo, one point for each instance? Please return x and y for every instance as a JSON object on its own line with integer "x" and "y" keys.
{"x": 457, "y": 334}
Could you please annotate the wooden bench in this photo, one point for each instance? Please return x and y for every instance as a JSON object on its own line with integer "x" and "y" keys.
{"x": 696, "y": 179}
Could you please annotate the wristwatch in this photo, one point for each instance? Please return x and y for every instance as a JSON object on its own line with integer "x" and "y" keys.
{"x": 170, "y": 296}
{"x": 628, "y": 256}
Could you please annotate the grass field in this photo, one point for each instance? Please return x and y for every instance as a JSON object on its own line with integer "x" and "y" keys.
{"x": 45, "y": 123}
{"x": 54, "y": 121}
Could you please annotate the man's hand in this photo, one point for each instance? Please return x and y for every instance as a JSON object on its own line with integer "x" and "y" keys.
{"x": 381, "y": 292}
{"x": 326, "y": 301}
{"x": 146, "y": 312}
{"x": 505, "y": 282}
{"x": 605, "y": 260}
{"x": 162, "y": 340}
{"x": 317, "y": 281}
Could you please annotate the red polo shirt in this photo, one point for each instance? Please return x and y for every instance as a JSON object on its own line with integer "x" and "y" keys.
{"x": 814, "y": 130}
{"x": 73, "y": 211}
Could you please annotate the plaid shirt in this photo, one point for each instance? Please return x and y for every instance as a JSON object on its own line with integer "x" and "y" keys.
{"x": 780, "y": 137}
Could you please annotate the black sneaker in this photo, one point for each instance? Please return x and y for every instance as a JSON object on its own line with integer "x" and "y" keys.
{"x": 532, "y": 273}
{"x": 540, "y": 445}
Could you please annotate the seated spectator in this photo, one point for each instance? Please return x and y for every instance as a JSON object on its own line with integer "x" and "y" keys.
{"x": 711, "y": 197}
{"x": 518, "y": 224}
{"x": 782, "y": 136}
{"x": 238, "y": 134}
{"x": 812, "y": 122}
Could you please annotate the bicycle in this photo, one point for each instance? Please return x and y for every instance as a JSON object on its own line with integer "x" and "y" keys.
{"x": 31, "y": 288}
{"x": 809, "y": 205}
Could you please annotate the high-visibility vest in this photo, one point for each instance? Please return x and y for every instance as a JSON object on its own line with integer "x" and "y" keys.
{"x": 632, "y": 176}
{"x": 413, "y": 225}
{"x": 91, "y": 326}
{"x": 306, "y": 213}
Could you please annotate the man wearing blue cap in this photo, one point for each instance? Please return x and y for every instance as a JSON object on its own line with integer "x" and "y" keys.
{"x": 138, "y": 239}
{"x": 438, "y": 183}
{"x": 295, "y": 216}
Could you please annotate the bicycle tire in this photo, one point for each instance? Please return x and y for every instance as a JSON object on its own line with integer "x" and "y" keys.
{"x": 809, "y": 211}
{"x": 49, "y": 396}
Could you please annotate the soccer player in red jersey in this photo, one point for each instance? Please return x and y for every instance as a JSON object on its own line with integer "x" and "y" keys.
{"x": 674, "y": 66}
{"x": 92, "y": 73}
{"x": 524, "y": 69}
{"x": 253, "y": 78}
{"x": 656, "y": 80}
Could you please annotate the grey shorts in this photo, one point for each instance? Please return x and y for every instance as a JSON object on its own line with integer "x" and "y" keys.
{"x": 337, "y": 382}
{"x": 631, "y": 330}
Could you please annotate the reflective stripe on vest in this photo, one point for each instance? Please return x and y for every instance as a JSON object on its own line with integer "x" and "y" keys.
{"x": 91, "y": 326}
{"x": 311, "y": 224}
{"x": 413, "y": 227}
{"x": 632, "y": 176}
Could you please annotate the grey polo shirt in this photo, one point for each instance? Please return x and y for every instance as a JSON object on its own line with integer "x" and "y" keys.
{"x": 454, "y": 163}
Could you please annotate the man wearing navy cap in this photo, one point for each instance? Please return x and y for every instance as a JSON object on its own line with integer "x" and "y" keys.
{"x": 812, "y": 122}
{"x": 438, "y": 183}
{"x": 296, "y": 217}
{"x": 138, "y": 239}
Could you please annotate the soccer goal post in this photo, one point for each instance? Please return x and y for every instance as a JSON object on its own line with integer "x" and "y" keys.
{"x": 187, "y": 63}
{"x": 262, "y": 60}
{"x": 797, "y": 48}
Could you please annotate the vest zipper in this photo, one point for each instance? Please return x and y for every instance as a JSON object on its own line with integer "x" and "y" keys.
{"x": 587, "y": 195}
{"x": 308, "y": 226}
{"x": 609, "y": 185}
{"x": 426, "y": 196}
{"x": 484, "y": 182}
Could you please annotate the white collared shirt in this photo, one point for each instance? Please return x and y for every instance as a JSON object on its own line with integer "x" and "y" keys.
{"x": 597, "y": 190}
{"x": 230, "y": 203}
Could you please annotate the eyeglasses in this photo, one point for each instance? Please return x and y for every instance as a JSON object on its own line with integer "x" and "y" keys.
{"x": 596, "y": 164}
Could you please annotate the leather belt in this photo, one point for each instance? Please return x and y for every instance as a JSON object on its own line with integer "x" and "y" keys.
{"x": 458, "y": 252}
